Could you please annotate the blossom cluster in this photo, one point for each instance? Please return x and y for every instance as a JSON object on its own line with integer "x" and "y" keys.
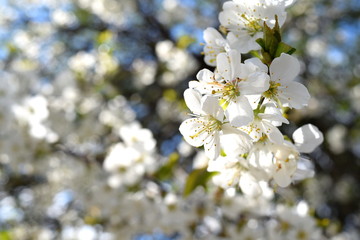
{"x": 230, "y": 216}
{"x": 83, "y": 158}
{"x": 238, "y": 108}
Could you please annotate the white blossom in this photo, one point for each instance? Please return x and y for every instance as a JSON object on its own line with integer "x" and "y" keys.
{"x": 231, "y": 82}
{"x": 205, "y": 128}
{"x": 230, "y": 169}
{"x": 266, "y": 123}
{"x": 244, "y": 19}
{"x": 283, "y": 88}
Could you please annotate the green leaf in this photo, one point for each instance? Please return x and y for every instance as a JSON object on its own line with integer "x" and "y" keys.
{"x": 256, "y": 53}
{"x": 261, "y": 42}
{"x": 166, "y": 171}
{"x": 272, "y": 37}
{"x": 284, "y": 48}
{"x": 198, "y": 177}
{"x": 83, "y": 15}
{"x": 271, "y": 43}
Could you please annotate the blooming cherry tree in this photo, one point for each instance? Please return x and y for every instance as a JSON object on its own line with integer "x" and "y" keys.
{"x": 121, "y": 175}
{"x": 249, "y": 99}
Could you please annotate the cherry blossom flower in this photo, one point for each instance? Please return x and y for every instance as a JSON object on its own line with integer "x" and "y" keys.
{"x": 244, "y": 19}
{"x": 266, "y": 123}
{"x": 215, "y": 43}
{"x": 230, "y": 169}
{"x": 231, "y": 82}
{"x": 205, "y": 128}
{"x": 283, "y": 70}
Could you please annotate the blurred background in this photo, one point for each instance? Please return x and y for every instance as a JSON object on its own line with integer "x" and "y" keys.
{"x": 73, "y": 71}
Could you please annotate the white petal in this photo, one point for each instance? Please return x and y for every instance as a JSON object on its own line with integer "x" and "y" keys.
{"x": 205, "y": 75}
{"x": 195, "y": 85}
{"x": 210, "y": 57}
{"x": 239, "y": 112}
{"x": 216, "y": 165}
{"x": 223, "y": 66}
{"x": 282, "y": 177}
{"x": 233, "y": 141}
{"x": 226, "y": 15}
{"x": 228, "y": 64}
{"x": 273, "y": 114}
{"x": 207, "y": 84}
{"x": 257, "y": 83}
{"x": 243, "y": 42}
{"x": 305, "y": 169}
{"x": 307, "y": 138}
{"x": 253, "y": 100}
{"x": 254, "y": 129}
{"x": 249, "y": 185}
{"x": 210, "y": 106}
{"x": 211, "y": 35}
{"x": 235, "y": 61}
{"x": 191, "y": 130}
{"x": 272, "y": 132}
{"x": 212, "y": 146}
{"x": 295, "y": 95}
{"x": 284, "y": 68}
{"x": 274, "y": 8}
{"x": 257, "y": 62}
{"x": 193, "y": 100}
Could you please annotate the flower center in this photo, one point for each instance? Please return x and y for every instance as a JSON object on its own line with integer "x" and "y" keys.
{"x": 209, "y": 124}
{"x": 252, "y": 25}
{"x": 231, "y": 90}
{"x": 272, "y": 92}
{"x": 228, "y": 91}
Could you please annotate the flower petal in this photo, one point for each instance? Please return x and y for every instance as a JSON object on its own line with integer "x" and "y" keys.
{"x": 272, "y": 132}
{"x": 223, "y": 66}
{"x": 233, "y": 141}
{"x": 205, "y": 75}
{"x": 191, "y": 130}
{"x": 249, "y": 185}
{"x": 305, "y": 169}
{"x": 284, "y": 68}
{"x": 273, "y": 114}
{"x": 257, "y": 83}
{"x": 193, "y": 100}
{"x": 210, "y": 106}
{"x": 257, "y": 62}
{"x": 239, "y": 112}
{"x": 307, "y": 138}
{"x": 212, "y": 146}
{"x": 210, "y": 35}
{"x": 282, "y": 177}
{"x": 235, "y": 61}
{"x": 295, "y": 95}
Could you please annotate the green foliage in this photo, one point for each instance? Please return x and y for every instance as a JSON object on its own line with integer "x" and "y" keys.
{"x": 198, "y": 177}
{"x": 166, "y": 171}
{"x": 83, "y": 15}
{"x": 4, "y": 235}
{"x": 271, "y": 43}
